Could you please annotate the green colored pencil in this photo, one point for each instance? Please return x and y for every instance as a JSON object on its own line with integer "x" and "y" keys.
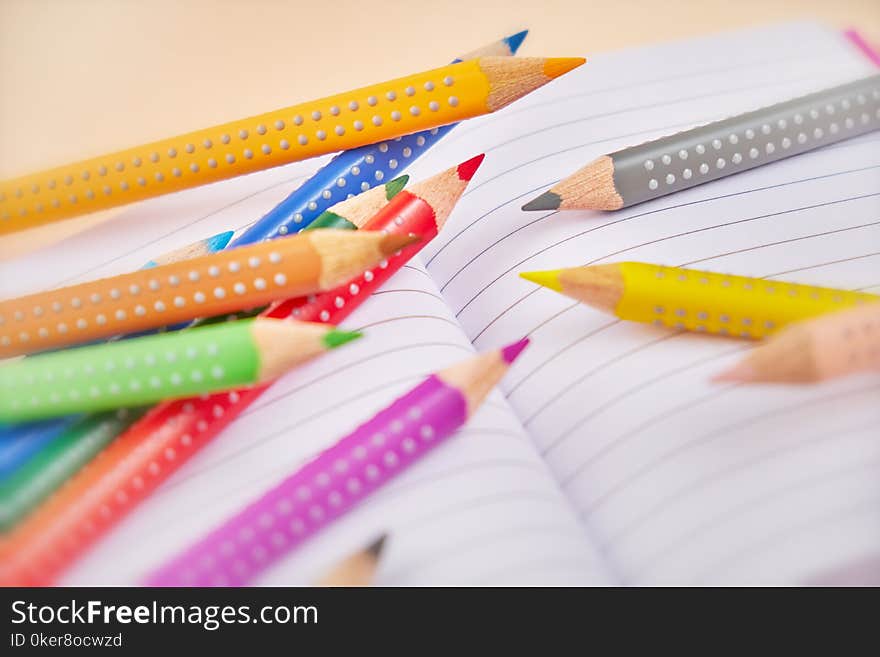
{"x": 168, "y": 366}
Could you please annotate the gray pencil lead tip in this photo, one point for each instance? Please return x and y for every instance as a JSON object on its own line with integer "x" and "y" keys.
{"x": 546, "y": 201}
{"x": 375, "y": 548}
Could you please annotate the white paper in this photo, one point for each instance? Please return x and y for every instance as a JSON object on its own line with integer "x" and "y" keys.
{"x": 615, "y": 461}
{"x": 678, "y": 480}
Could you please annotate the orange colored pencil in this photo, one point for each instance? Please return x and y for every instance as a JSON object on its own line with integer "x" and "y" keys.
{"x": 215, "y": 284}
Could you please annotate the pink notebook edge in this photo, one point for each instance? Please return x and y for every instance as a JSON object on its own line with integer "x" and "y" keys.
{"x": 862, "y": 44}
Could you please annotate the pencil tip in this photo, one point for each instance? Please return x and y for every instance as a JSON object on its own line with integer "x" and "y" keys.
{"x": 375, "y": 548}
{"x": 393, "y": 243}
{"x": 513, "y": 350}
{"x": 514, "y": 41}
{"x": 219, "y": 241}
{"x": 336, "y": 338}
{"x": 546, "y": 201}
{"x": 393, "y": 187}
{"x": 468, "y": 168}
{"x": 556, "y": 66}
{"x": 548, "y": 278}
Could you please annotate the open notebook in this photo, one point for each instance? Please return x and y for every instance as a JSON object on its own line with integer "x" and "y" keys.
{"x": 608, "y": 458}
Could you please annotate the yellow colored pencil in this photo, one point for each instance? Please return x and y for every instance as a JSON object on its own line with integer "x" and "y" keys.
{"x": 695, "y": 300}
{"x": 348, "y": 120}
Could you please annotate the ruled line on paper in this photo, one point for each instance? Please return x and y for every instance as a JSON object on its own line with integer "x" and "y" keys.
{"x": 480, "y": 541}
{"x": 867, "y": 507}
{"x": 622, "y": 110}
{"x": 734, "y": 468}
{"x": 828, "y": 264}
{"x": 464, "y": 131}
{"x": 683, "y": 447}
{"x": 640, "y": 245}
{"x": 465, "y": 260}
{"x": 613, "y": 222}
{"x": 571, "y": 385}
{"x": 188, "y": 224}
{"x": 641, "y": 386}
{"x": 732, "y": 513}
{"x": 229, "y": 474}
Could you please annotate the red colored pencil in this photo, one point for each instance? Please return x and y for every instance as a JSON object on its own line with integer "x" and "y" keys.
{"x": 134, "y": 465}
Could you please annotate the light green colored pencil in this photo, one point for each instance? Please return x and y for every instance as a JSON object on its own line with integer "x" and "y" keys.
{"x": 168, "y": 366}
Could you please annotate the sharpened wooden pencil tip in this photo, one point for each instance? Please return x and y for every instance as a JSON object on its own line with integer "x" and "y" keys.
{"x": 590, "y": 188}
{"x": 391, "y": 244}
{"x": 556, "y": 66}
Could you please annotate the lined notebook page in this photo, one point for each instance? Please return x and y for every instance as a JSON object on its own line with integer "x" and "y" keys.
{"x": 677, "y": 479}
{"x": 482, "y": 509}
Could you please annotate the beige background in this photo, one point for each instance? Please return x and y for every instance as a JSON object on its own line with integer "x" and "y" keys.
{"x": 81, "y": 77}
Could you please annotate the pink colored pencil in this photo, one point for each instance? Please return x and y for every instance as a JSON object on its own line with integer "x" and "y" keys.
{"x": 339, "y": 477}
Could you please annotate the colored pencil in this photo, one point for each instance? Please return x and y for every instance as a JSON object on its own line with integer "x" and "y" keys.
{"x": 820, "y": 349}
{"x": 357, "y": 570}
{"x": 210, "y": 285}
{"x": 421, "y": 210}
{"x": 355, "y": 118}
{"x": 716, "y": 150}
{"x": 168, "y": 366}
{"x": 358, "y": 169}
{"x": 695, "y": 300}
{"x": 354, "y": 212}
{"x": 339, "y": 477}
{"x": 18, "y": 443}
{"x": 67, "y": 435}
{"x": 64, "y": 455}
{"x": 61, "y": 529}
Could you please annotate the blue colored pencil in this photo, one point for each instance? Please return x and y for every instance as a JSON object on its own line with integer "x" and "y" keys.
{"x": 354, "y": 171}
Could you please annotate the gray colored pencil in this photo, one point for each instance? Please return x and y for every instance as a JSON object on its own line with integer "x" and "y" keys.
{"x": 718, "y": 149}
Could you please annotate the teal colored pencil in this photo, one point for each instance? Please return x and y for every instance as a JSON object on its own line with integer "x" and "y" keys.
{"x": 168, "y": 366}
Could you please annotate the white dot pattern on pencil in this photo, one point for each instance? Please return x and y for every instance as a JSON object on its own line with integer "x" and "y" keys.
{"x": 738, "y": 143}
{"x": 722, "y": 287}
{"x": 150, "y": 366}
{"x": 324, "y": 489}
{"x": 245, "y": 145}
{"x": 96, "y": 309}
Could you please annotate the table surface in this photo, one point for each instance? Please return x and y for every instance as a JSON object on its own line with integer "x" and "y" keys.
{"x": 82, "y": 77}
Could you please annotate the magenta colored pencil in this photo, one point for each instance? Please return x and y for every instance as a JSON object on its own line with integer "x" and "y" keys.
{"x": 339, "y": 477}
